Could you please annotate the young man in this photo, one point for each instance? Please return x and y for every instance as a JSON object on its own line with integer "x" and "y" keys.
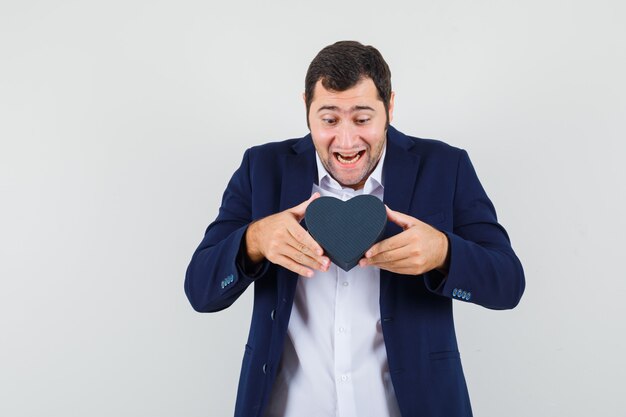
{"x": 379, "y": 339}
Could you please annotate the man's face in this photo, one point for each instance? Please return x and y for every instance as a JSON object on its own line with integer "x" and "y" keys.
{"x": 349, "y": 129}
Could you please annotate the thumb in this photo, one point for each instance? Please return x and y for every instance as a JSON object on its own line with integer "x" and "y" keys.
{"x": 300, "y": 209}
{"x": 401, "y": 219}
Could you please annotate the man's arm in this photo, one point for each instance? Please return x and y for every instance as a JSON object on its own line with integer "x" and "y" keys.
{"x": 214, "y": 278}
{"x": 235, "y": 252}
{"x": 483, "y": 269}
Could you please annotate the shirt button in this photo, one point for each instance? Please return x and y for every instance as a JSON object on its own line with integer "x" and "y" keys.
{"x": 344, "y": 378}
{"x": 342, "y": 330}
{"x": 345, "y": 284}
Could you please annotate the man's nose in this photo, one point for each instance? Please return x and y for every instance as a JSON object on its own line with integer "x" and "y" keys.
{"x": 347, "y": 137}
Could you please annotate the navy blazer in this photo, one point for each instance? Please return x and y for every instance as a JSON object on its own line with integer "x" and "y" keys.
{"x": 426, "y": 179}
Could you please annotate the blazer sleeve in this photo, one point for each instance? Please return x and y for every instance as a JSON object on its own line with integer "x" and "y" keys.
{"x": 215, "y": 276}
{"x": 483, "y": 267}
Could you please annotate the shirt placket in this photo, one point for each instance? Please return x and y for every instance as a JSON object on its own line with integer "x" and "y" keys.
{"x": 346, "y": 406}
{"x": 343, "y": 357}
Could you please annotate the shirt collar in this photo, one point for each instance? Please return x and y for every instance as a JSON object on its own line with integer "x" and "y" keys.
{"x": 375, "y": 180}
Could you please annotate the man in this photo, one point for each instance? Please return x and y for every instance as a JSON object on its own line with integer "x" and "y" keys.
{"x": 378, "y": 340}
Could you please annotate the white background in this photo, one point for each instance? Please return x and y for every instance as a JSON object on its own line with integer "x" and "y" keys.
{"x": 122, "y": 121}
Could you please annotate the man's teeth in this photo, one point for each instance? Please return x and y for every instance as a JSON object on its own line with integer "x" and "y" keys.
{"x": 348, "y": 159}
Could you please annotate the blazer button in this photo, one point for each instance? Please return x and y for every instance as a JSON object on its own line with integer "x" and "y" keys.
{"x": 264, "y": 368}
{"x": 464, "y": 295}
{"x": 469, "y": 295}
{"x": 273, "y": 314}
{"x": 454, "y": 292}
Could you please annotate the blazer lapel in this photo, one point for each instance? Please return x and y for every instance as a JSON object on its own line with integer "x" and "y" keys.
{"x": 400, "y": 170}
{"x": 299, "y": 175}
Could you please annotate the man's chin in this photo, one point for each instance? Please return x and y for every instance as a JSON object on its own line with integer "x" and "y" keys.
{"x": 350, "y": 182}
{"x": 348, "y": 178}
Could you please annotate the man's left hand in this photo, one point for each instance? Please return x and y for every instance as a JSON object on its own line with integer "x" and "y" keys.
{"x": 419, "y": 248}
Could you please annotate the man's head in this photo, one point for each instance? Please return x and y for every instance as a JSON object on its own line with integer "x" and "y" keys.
{"x": 349, "y": 106}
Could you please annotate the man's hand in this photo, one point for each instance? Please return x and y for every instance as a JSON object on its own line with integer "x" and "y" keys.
{"x": 280, "y": 239}
{"x": 418, "y": 249}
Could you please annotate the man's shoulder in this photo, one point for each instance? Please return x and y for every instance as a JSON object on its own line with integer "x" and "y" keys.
{"x": 279, "y": 147}
{"x": 423, "y": 146}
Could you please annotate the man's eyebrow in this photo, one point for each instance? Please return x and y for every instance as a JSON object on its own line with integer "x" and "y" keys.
{"x": 333, "y": 108}
{"x": 362, "y": 108}
{"x": 353, "y": 109}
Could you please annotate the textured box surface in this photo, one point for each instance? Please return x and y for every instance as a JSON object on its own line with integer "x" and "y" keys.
{"x": 345, "y": 230}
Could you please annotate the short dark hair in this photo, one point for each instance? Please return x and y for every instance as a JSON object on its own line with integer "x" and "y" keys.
{"x": 342, "y": 65}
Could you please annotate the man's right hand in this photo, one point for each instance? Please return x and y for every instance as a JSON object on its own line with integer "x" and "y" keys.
{"x": 280, "y": 239}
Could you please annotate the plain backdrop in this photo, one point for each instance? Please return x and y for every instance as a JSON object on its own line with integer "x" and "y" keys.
{"x": 122, "y": 121}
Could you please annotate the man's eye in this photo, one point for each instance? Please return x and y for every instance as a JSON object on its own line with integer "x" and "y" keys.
{"x": 362, "y": 121}
{"x": 329, "y": 121}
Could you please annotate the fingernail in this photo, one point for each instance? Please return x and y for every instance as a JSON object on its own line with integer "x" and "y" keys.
{"x": 368, "y": 254}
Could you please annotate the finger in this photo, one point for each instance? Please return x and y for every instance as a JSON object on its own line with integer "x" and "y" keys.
{"x": 403, "y": 220}
{"x": 293, "y": 266}
{"x": 300, "y": 209}
{"x": 401, "y": 266}
{"x": 304, "y": 242}
{"x": 388, "y": 244}
{"x": 390, "y": 256}
{"x": 405, "y": 260}
{"x": 304, "y": 259}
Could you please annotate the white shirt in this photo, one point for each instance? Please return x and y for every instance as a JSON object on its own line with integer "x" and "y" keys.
{"x": 334, "y": 362}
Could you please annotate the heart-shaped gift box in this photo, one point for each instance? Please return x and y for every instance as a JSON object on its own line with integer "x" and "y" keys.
{"x": 346, "y": 230}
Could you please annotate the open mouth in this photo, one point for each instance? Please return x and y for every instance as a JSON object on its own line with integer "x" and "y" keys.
{"x": 348, "y": 158}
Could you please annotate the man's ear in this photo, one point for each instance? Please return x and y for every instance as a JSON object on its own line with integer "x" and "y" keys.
{"x": 308, "y": 124}
{"x": 391, "y": 97}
